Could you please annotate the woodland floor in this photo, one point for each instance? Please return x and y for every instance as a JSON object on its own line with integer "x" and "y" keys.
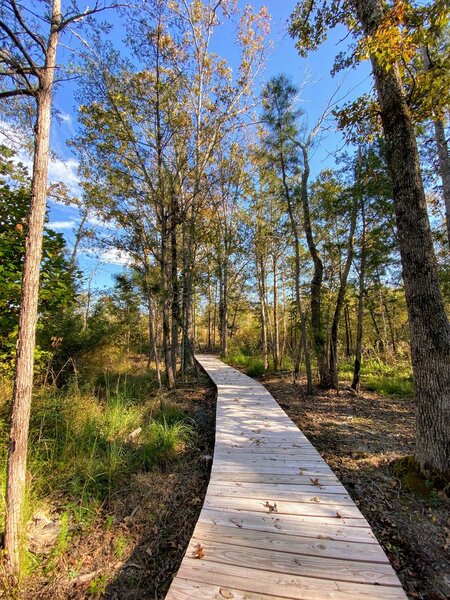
{"x": 364, "y": 439}
{"x": 135, "y": 546}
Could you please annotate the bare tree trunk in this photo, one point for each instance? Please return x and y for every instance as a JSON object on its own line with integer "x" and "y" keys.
{"x": 78, "y": 237}
{"x": 261, "y": 274}
{"x": 443, "y": 153}
{"x": 175, "y": 283}
{"x": 300, "y": 312}
{"x": 320, "y": 343}
{"x": 340, "y": 301}
{"x": 223, "y": 305}
{"x": 214, "y": 326}
{"x": 276, "y": 332}
{"x": 152, "y": 338}
{"x": 23, "y": 380}
{"x": 209, "y": 313}
{"x": 166, "y": 305}
{"x": 348, "y": 332}
{"x": 444, "y": 167}
{"x": 361, "y": 285}
{"x": 429, "y": 326}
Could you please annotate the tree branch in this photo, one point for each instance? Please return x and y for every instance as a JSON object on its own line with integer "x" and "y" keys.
{"x": 34, "y": 36}
{"x": 17, "y": 92}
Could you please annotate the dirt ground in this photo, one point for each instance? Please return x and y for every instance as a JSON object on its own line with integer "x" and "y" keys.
{"x": 365, "y": 439}
{"x": 136, "y": 544}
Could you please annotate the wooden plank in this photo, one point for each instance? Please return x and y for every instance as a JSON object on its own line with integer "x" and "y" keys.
{"x": 307, "y": 493}
{"x": 183, "y": 588}
{"x": 286, "y": 586}
{"x": 313, "y": 546}
{"x": 297, "y": 519}
{"x": 279, "y": 507}
{"x": 290, "y": 525}
{"x": 316, "y": 468}
{"x": 279, "y": 478}
{"x": 294, "y": 564}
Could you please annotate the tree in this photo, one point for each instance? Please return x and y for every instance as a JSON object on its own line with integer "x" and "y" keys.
{"x": 280, "y": 117}
{"x": 28, "y": 65}
{"x": 376, "y": 27}
{"x": 56, "y": 290}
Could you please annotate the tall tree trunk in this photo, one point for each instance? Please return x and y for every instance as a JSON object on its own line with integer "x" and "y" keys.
{"x": 166, "y": 304}
{"x": 276, "y": 332}
{"x": 298, "y": 302}
{"x": 152, "y": 337}
{"x": 429, "y": 326}
{"x": 209, "y": 313}
{"x": 261, "y": 275}
{"x": 443, "y": 153}
{"x": 175, "y": 283}
{"x": 361, "y": 292}
{"x": 320, "y": 342}
{"x": 340, "y": 300}
{"x": 223, "y": 305}
{"x": 348, "y": 332}
{"x": 444, "y": 167}
{"x": 78, "y": 237}
{"x": 23, "y": 380}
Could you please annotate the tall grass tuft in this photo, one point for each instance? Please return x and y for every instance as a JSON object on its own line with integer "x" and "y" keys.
{"x": 80, "y": 445}
{"x": 166, "y": 439}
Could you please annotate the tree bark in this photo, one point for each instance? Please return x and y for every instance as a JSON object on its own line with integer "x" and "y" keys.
{"x": 429, "y": 326}
{"x": 348, "y": 332}
{"x": 300, "y": 311}
{"x": 166, "y": 304}
{"x": 361, "y": 285}
{"x": 260, "y": 273}
{"x": 174, "y": 280}
{"x": 340, "y": 301}
{"x": 23, "y": 380}
{"x": 443, "y": 153}
{"x": 152, "y": 337}
{"x": 320, "y": 345}
{"x": 444, "y": 167}
{"x": 276, "y": 330}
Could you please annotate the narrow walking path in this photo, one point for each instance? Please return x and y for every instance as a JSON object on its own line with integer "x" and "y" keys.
{"x": 276, "y": 522}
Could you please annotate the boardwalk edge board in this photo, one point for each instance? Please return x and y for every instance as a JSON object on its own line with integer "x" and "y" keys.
{"x": 276, "y": 522}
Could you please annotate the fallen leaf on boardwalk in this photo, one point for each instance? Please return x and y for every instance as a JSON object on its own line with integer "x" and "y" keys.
{"x": 315, "y": 499}
{"x": 271, "y": 507}
{"x": 226, "y": 593}
{"x": 338, "y": 515}
{"x": 324, "y": 537}
{"x": 315, "y": 481}
{"x": 199, "y": 552}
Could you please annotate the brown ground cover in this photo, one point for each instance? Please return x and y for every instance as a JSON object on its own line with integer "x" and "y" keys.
{"x": 365, "y": 439}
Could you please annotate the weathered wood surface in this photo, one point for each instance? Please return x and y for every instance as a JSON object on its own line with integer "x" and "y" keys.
{"x": 276, "y": 521}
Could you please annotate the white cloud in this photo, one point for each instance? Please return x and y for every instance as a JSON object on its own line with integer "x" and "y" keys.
{"x": 98, "y": 221}
{"x": 65, "y": 118}
{"x": 62, "y": 224}
{"x": 112, "y": 256}
{"x": 58, "y": 169}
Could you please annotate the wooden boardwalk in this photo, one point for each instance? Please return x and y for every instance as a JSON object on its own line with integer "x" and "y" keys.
{"x": 276, "y": 522}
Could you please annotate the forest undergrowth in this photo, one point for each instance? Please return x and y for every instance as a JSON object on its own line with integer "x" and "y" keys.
{"x": 116, "y": 476}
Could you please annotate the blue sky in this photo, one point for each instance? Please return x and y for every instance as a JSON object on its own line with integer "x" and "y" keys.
{"x": 283, "y": 58}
